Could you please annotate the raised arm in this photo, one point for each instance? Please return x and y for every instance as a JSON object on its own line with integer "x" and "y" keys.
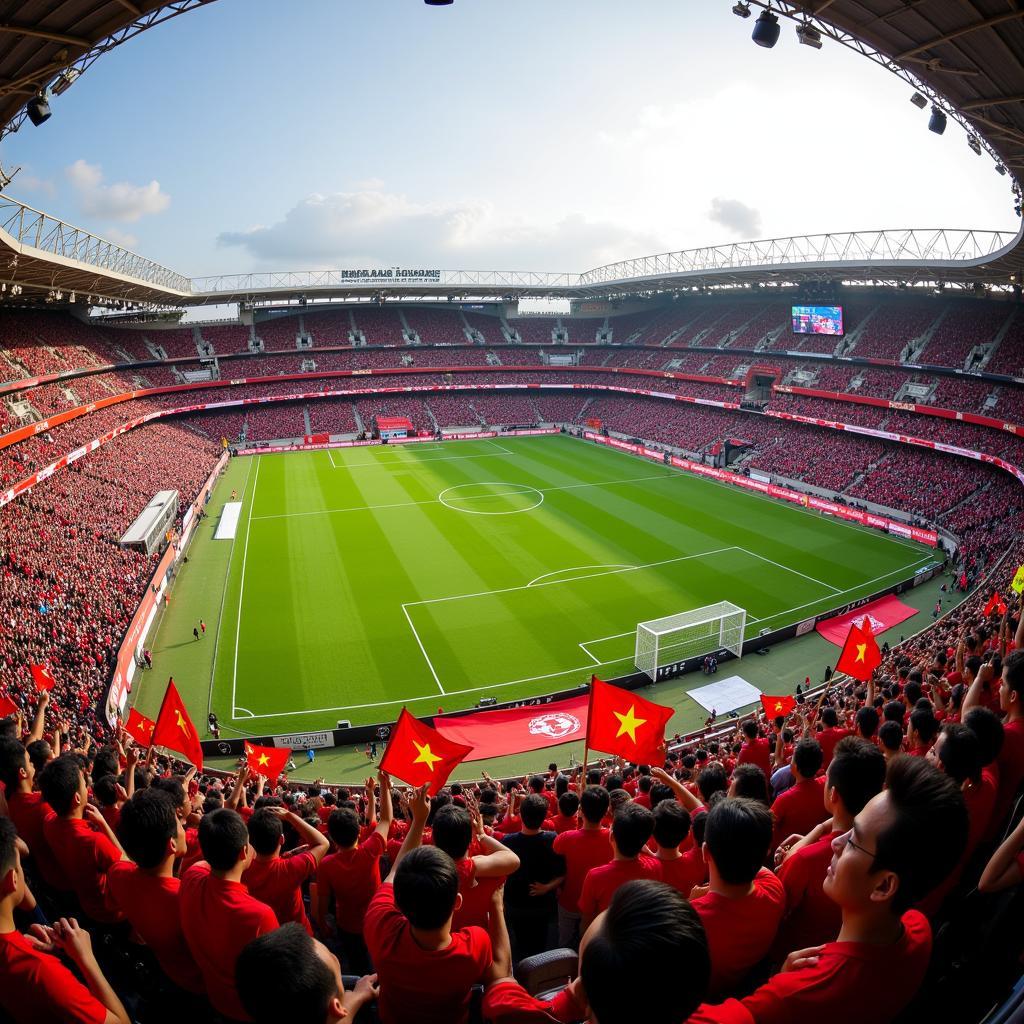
{"x": 39, "y": 722}
{"x": 420, "y": 807}
{"x": 1003, "y": 869}
{"x": 387, "y": 812}
{"x": 683, "y": 795}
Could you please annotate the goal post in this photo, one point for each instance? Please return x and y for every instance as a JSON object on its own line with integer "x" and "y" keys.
{"x": 690, "y": 634}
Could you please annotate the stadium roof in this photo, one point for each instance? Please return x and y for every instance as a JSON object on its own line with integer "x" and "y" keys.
{"x": 966, "y": 56}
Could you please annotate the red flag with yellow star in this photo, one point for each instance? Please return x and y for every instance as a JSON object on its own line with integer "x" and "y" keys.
{"x": 42, "y": 677}
{"x": 266, "y": 761}
{"x": 861, "y": 655}
{"x": 174, "y": 729}
{"x": 140, "y": 728}
{"x": 622, "y": 723}
{"x": 776, "y": 706}
{"x": 417, "y": 753}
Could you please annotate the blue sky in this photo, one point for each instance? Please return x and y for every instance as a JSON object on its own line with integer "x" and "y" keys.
{"x": 520, "y": 135}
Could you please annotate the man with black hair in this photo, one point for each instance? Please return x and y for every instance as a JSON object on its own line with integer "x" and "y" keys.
{"x": 568, "y": 810}
{"x": 351, "y": 875}
{"x": 288, "y": 975}
{"x": 923, "y": 729}
{"x": 649, "y": 931}
{"x": 632, "y": 826}
{"x": 856, "y": 774}
{"x": 146, "y": 891}
{"x": 79, "y": 837}
{"x": 426, "y": 970}
{"x": 28, "y": 810}
{"x": 218, "y": 915}
{"x": 530, "y": 898}
{"x": 830, "y": 735}
{"x": 744, "y": 902}
{"x": 757, "y": 749}
{"x": 890, "y": 737}
{"x": 35, "y": 987}
{"x": 902, "y": 844}
{"x": 582, "y": 849}
{"x": 801, "y": 807}
{"x": 275, "y": 879}
{"x": 671, "y": 829}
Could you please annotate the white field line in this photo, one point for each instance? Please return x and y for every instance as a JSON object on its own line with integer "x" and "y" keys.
{"x": 415, "y": 462}
{"x": 598, "y": 565}
{"x": 223, "y": 596}
{"x": 331, "y": 457}
{"x": 423, "y": 650}
{"x": 596, "y": 661}
{"x": 796, "y": 572}
{"x": 553, "y": 675}
{"x": 436, "y": 501}
{"x": 501, "y": 448}
{"x": 241, "y": 591}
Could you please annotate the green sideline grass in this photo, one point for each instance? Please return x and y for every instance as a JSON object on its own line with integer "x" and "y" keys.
{"x": 362, "y": 579}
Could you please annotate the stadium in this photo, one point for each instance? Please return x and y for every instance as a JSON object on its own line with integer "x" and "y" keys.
{"x": 304, "y": 512}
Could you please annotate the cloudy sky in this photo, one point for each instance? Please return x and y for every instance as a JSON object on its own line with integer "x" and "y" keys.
{"x": 525, "y": 135}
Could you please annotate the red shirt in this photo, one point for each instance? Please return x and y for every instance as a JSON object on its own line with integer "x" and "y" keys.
{"x": 36, "y": 988}
{"x": 1011, "y": 772}
{"x": 219, "y": 919}
{"x": 757, "y": 752}
{"x": 416, "y": 984}
{"x": 84, "y": 856}
{"x": 278, "y": 883}
{"x": 29, "y": 812}
{"x": 828, "y": 738}
{"x": 583, "y": 849}
{"x": 510, "y": 1003}
{"x": 602, "y": 882}
{"x": 476, "y": 896}
{"x": 683, "y": 873}
{"x": 740, "y": 931}
{"x": 353, "y": 876}
{"x": 811, "y": 917}
{"x": 564, "y": 824}
{"x": 836, "y": 987}
{"x": 151, "y": 906}
{"x": 798, "y": 809}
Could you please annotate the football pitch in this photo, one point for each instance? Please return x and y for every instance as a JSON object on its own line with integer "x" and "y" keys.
{"x": 432, "y": 575}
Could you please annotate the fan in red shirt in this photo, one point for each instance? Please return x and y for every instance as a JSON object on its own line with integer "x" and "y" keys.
{"x": 856, "y": 774}
{"x": 830, "y": 735}
{"x": 798, "y": 809}
{"x": 582, "y": 849}
{"x": 146, "y": 891}
{"x": 79, "y": 836}
{"x": 426, "y": 971}
{"x": 567, "y": 818}
{"x": 904, "y": 841}
{"x": 757, "y": 750}
{"x": 277, "y": 879}
{"x": 671, "y": 828}
{"x": 218, "y": 916}
{"x": 351, "y": 875}
{"x": 632, "y": 826}
{"x": 35, "y": 987}
{"x": 27, "y": 809}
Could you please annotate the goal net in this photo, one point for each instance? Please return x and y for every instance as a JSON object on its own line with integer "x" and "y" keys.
{"x": 691, "y": 634}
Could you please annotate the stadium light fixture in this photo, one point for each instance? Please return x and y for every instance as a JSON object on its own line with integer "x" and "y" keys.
{"x": 974, "y": 145}
{"x": 937, "y": 122}
{"x": 741, "y": 10}
{"x": 38, "y": 109}
{"x": 919, "y": 101}
{"x": 1000, "y": 169}
{"x": 766, "y": 30}
{"x": 808, "y": 35}
{"x": 438, "y": 3}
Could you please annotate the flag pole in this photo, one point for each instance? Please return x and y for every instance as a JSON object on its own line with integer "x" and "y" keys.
{"x": 586, "y": 739}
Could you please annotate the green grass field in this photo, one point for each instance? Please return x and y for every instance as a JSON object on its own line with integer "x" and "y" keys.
{"x": 364, "y": 579}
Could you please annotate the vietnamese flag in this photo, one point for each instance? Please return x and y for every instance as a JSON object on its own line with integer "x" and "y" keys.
{"x": 995, "y": 604}
{"x": 266, "y": 761}
{"x": 140, "y": 728}
{"x": 174, "y": 729}
{"x": 861, "y": 655}
{"x": 417, "y": 753}
{"x": 7, "y": 706}
{"x": 775, "y": 707}
{"x": 622, "y": 723}
{"x": 42, "y": 677}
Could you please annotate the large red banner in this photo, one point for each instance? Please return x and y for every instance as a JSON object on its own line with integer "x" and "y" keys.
{"x": 882, "y": 614}
{"x": 515, "y": 730}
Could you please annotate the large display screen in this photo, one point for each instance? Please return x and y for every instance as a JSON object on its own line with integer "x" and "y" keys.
{"x": 817, "y": 319}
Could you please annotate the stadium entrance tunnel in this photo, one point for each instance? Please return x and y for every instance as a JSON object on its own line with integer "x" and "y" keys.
{"x": 491, "y": 498}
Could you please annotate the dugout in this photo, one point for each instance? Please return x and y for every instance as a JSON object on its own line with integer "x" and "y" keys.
{"x": 149, "y": 531}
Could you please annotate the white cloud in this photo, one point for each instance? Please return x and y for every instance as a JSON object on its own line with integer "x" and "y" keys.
{"x": 373, "y": 228}
{"x": 742, "y": 220}
{"x": 28, "y": 182}
{"x": 124, "y": 238}
{"x": 120, "y": 201}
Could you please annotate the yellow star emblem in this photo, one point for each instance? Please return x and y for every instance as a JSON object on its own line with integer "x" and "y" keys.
{"x": 264, "y": 760}
{"x": 778, "y": 705}
{"x": 861, "y": 650}
{"x": 182, "y": 724}
{"x": 629, "y": 723}
{"x": 426, "y": 755}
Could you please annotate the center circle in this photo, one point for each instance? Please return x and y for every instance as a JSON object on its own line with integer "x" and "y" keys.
{"x": 491, "y": 498}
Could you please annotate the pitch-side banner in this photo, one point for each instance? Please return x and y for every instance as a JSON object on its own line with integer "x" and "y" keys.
{"x": 513, "y": 731}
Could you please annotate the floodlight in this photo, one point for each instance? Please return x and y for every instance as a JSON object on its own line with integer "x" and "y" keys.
{"x": 766, "y": 30}
{"x": 974, "y": 145}
{"x": 919, "y": 101}
{"x": 808, "y": 35}
{"x": 937, "y": 122}
{"x": 38, "y": 110}
{"x": 741, "y": 10}
{"x": 438, "y": 3}
{"x": 1000, "y": 169}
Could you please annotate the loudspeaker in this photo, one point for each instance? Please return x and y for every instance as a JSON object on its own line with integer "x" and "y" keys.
{"x": 38, "y": 110}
